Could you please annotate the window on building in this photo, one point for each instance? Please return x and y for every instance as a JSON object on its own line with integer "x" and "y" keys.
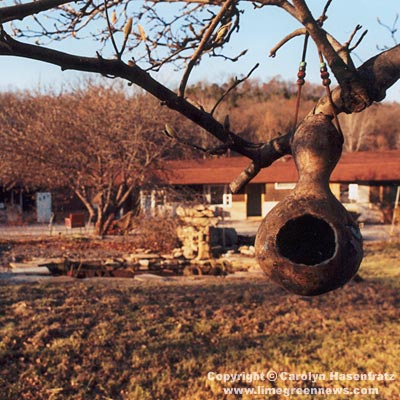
{"x": 145, "y": 200}
{"x": 284, "y": 185}
{"x": 159, "y": 197}
{"x": 218, "y": 194}
{"x": 353, "y": 192}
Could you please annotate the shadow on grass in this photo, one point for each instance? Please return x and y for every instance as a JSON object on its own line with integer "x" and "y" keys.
{"x": 128, "y": 340}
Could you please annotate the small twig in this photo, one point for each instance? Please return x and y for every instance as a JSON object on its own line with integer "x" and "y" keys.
{"x": 233, "y": 59}
{"x": 202, "y": 45}
{"x": 356, "y": 29}
{"x": 392, "y": 30}
{"x": 118, "y": 53}
{"x": 342, "y": 51}
{"x": 323, "y": 16}
{"x": 191, "y": 145}
{"x": 287, "y": 38}
{"x": 358, "y": 41}
{"x": 300, "y": 31}
{"x": 235, "y": 84}
{"x": 218, "y": 150}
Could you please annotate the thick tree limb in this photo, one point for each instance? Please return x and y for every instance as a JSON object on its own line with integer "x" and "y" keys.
{"x": 268, "y": 153}
{"x": 377, "y": 74}
{"x": 354, "y": 93}
{"x": 133, "y": 74}
{"x": 20, "y": 11}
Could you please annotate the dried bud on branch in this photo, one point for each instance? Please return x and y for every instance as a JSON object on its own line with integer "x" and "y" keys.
{"x": 128, "y": 28}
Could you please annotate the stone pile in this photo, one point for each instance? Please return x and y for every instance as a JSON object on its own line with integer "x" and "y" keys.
{"x": 194, "y": 234}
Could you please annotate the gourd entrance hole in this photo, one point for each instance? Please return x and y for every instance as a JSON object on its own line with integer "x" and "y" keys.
{"x": 306, "y": 240}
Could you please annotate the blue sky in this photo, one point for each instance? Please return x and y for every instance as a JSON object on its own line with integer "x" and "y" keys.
{"x": 260, "y": 31}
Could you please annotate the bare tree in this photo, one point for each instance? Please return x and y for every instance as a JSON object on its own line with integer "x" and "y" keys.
{"x": 145, "y": 38}
{"x": 358, "y": 129}
{"x": 375, "y": 128}
{"x": 86, "y": 141}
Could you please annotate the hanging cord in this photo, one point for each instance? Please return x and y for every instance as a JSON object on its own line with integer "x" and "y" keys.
{"x": 326, "y": 82}
{"x": 302, "y": 72}
{"x": 300, "y": 81}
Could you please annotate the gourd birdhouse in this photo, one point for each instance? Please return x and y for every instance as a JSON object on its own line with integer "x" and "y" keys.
{"x": 309, "y": 244}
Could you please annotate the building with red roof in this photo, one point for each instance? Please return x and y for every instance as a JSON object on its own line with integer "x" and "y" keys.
{"x": 365, "y": 182}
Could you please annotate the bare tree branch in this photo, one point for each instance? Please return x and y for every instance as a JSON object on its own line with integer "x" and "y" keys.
{"x": 235, "y": 84}
{"x": 355, "y": 96}
{"x": 110, "y": 30}
{"x": 133, "y": 74}
{"x": 392, "y": 30}
{"x": 284, "y": 4}
{"x": 287, "y": 38}
{"x": 202, "y": 46}
{"x": 20, "y": 11}
{"x": 268, "y": 153}
{"x": 358, "y": 42}
{"x": 380, "y": 72}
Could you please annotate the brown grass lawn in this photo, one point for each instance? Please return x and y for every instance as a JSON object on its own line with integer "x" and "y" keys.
{"x": 125, "y": 339}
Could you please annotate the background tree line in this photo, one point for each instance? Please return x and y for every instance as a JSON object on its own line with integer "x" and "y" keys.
{"x": 96, "y": 142}
{"x": 263, "y": 110}
{"x": 103, "y": 145}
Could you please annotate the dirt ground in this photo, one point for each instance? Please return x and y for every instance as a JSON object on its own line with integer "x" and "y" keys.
{"x": 247, "y": 227}
{"x": 159, "y": 337}
{"x": 27, "y": 242}
{"x": 23, "y": 248}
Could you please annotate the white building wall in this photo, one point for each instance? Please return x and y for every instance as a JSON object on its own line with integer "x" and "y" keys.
{"x": 237, "y": 211}
{"x": 43, "y": 207}
{"x": 359, "y": 193}
{"x": 268, "y": 206}
{"x": 363, "y": 194}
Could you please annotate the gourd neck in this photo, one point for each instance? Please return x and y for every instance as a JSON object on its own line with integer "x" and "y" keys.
{"x": 313, "y": 185}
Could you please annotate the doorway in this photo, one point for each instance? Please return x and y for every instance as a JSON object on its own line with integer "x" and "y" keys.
{"x": 254, "y": 199}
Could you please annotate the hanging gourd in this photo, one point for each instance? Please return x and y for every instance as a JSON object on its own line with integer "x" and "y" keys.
{"x": 308, "y": 243}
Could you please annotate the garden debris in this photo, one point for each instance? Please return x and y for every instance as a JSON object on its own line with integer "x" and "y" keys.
{"x": 200, "y": 236}
{"x": 247, "y": 250}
